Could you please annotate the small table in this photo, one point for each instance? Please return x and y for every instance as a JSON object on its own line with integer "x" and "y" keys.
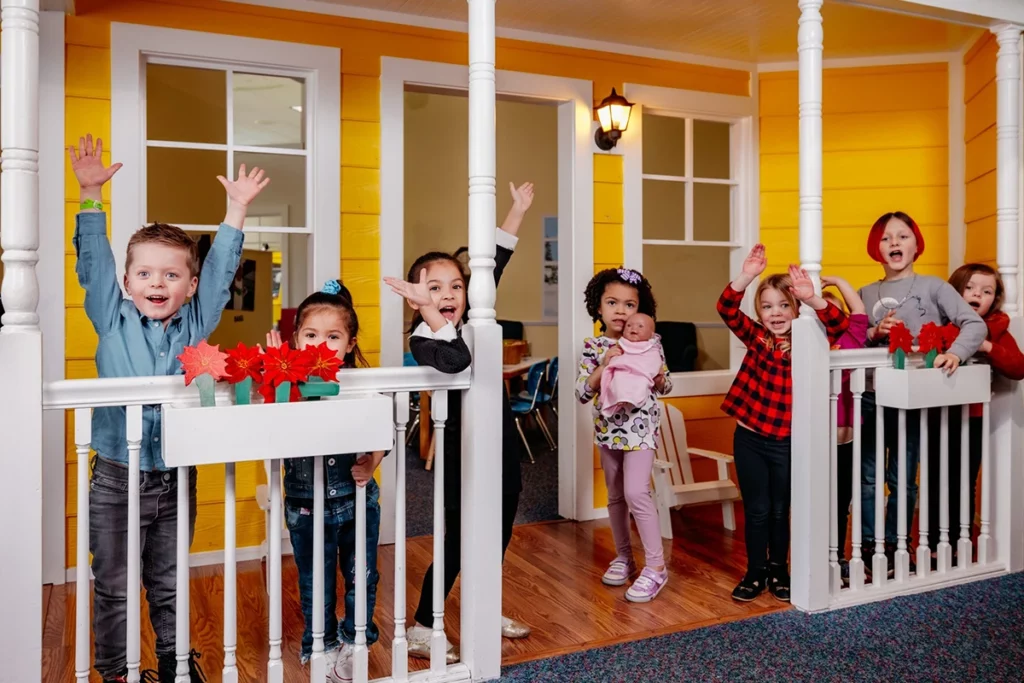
{"x": 522, "y": 367}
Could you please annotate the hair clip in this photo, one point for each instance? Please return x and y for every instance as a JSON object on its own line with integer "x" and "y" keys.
{"x": 331, "y": 287}
{"x": 630, "y": 276}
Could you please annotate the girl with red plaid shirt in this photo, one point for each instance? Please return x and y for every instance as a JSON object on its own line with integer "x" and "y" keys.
{"x": 760, "y": 400}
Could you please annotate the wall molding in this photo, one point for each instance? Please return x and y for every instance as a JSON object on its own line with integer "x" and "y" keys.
{"x": 861, "y": 62}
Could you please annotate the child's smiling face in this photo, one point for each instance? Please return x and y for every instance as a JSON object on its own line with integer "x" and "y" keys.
{"x": 158, "y": 280}
{"x": 775, "y": 311}
{"x": 898, "y": 246}
{"x": 325, "y": 325}
{"x": 447, "y": 288}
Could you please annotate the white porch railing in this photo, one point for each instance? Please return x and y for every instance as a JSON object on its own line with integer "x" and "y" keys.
{"x": 84, "y": 395}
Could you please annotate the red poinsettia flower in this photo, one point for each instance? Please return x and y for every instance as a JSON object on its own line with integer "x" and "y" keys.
{"x": 900, "y": 338}
{"x": 949, "y": 333}
{"x": 203, "y": 359}
{"x": 284, "y": 364}
{"x": 930, "y": 338}
{"x": 323, "y": 362}
{"x": 269, "y": 393}
{"x": 244, "y": 361}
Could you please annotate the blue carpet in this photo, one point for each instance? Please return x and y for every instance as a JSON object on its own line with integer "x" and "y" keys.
{"x": 973, "y": 632}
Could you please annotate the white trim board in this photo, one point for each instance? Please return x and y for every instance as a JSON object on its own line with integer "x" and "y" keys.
{"x": 857, "y": 62}
{"x": 575, "y": 212}
{"x": 319, "y": 66}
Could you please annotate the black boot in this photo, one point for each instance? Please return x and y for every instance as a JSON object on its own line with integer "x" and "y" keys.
{"x": 169, "y": 666}
{"x": 752, "y": 585}
{"x": 778, "y": 581}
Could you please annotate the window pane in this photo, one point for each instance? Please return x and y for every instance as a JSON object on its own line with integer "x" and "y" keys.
{"x": 664, "y": 210}
{"x": 268, "y": 111}
{"x": 687, "y": 282}
{"x": 712, "y": 212}
{"x": 285, "y": 196}
{"x": 664, "y": 144}
{"x": 710, "y": 149}
{"x": 182, "y": 187}
{"x": 186, "y": 105}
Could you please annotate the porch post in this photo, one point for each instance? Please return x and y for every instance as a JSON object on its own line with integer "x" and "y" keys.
{"x": 481, "y": 412}
{"x": 1007, "y": 440}
{"x": 21, "y": 365}
{"x": 810, "y": 432}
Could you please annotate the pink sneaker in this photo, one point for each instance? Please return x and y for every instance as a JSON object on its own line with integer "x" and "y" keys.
{"x": 618, "y": 572}
{"x": 647, "y": 586}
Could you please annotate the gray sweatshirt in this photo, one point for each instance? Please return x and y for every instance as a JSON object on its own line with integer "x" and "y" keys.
{"x": 921, "y": 299}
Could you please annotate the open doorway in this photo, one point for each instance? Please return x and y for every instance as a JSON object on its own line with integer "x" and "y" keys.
{"x": 436, "y": 219}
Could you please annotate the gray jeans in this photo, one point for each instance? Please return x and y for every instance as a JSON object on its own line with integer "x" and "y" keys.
{"x": 108, "y": 542}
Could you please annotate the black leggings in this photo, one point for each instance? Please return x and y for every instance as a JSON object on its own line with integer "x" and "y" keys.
{"x": 763, "y": 468}
{"x": 453, "y": 553}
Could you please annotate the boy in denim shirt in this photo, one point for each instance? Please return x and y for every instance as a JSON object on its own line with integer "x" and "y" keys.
{"x": 169, "y": 308}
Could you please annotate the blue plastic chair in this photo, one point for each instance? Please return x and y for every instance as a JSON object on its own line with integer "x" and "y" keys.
{"x": 522, "y": 407}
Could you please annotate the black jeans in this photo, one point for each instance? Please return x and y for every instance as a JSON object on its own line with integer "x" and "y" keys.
{"x": 763, "y": 468}
{"x": 844, "y": 486}
{"x": 108, "y": 542}
{"x": 974, "y": 467}
{"x": 453, "y": 552}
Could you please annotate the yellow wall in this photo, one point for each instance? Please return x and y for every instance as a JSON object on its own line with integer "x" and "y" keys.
{"x": 436, "y": 211}
{"x": 885, "y": 149}
{"x": 980, "y": 161}
{"x": 363, "y": 43}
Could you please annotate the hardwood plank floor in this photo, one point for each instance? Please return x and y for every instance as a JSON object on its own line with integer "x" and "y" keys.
{"x": 552, "y": 582}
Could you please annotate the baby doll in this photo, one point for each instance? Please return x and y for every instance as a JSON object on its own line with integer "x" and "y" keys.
{"x": 629, "y": 377}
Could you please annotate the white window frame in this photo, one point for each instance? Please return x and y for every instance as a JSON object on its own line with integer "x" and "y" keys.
{"x": 739, "y": 111}
{"x": 132, "y": 46}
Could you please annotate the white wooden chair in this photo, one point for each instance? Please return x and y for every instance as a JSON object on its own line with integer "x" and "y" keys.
{"x": 674, "y": 486}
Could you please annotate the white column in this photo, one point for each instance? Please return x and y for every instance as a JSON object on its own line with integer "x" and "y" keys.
{"x": 811, "y": 473}
{"x": 481, "y": 417}
{"x": 21, "y": 364}
{"x": 1008, "y": 161}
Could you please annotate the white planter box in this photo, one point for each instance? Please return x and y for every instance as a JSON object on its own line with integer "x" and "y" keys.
{"x": 930, "y": 388}
{"x": 355, "y": 423}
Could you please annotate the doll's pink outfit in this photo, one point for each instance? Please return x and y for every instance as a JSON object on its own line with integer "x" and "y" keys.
{"x": 629, "y": 377}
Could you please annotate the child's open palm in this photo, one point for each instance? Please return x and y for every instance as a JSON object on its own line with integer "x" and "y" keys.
{"x": 416, "y": 293}
{"x": 87, "y": 163}
{"x": 802, "y": 286}
{"x": 522, "y": 196}
{"x": 756, "y": 261}
{"x": 248, "y": 185}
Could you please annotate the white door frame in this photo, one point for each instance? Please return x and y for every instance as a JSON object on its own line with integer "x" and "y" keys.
{"x": 576, "y": 247}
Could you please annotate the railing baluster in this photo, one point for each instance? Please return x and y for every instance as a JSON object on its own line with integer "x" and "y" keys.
{"x": 83, "y": 442}
{"x": 230, "y": 674}
{"x": 924, "y": 553}
{"x": 964, "y": 548}
{"x": 438, "y": 642}
{"x": 835, "y": 575}
{"x": 983, "y": 481}
{"x": 133, "y": 420}
{"x": 275, "y": 667}
{"x": 360, "y": 661}
{"x": 318, "y": 660}
{"x": 857, "y": 383}
{"x": 182, "y": 643}
{"x": 944, "y": 550}
{"x": 400, "y": 646}
{"x": 902, "y": 559}
{"x": 879, "y": 566}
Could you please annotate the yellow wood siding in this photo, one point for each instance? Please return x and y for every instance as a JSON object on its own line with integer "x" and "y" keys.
{"x": 363, "y": 43}
{"x": 980, "y": 162}
{"x": 885, "y": 140}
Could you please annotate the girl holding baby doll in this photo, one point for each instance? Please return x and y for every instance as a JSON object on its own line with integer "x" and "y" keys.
{"x": 621, "y": 372}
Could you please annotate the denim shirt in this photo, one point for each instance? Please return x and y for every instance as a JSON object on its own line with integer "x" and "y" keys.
{"x": 131, "y": 345}
{"x": 338, "y": 481}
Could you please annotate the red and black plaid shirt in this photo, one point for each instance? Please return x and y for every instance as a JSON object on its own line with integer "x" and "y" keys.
{"x": 761, "y": 396}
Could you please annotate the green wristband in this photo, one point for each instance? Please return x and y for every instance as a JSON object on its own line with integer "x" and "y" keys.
{"x": 88, "y": 204}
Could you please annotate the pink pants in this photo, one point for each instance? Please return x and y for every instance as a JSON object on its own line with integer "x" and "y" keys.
{"x": 628, "y": 476}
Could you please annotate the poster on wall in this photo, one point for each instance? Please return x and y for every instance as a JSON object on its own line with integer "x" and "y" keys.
{"x": 243, "y": 288}
{"x": 549, "y": 269}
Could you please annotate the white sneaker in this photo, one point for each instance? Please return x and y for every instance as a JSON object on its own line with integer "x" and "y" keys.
{"x": 341, "y": 672}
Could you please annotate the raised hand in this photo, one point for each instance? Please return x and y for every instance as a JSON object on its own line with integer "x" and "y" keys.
{"x": 416, "y": 293}
{"x": 801, "y": 287}
{"x": 522, "y": 197}
{"x": 273, "y": 339}
{"x": 87, "y": 163}
{"x": 830, "y": 281}
{"x": 248, "y": 185}
{"x": 756, "y": 262}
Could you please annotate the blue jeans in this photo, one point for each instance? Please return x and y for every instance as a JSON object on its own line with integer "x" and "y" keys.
{"x": 158, "y": 541}
{"x": 869, "y": 411}
{"x": 339, "y": 545}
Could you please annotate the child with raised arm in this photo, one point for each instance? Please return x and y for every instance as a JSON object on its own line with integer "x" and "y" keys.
{"x": 627, "y": 417}
{"x": 761, "y": 401}
{"x": 436, "y": 291}
{"x": 170, "y": 305}
{"x": 328, "y": 317}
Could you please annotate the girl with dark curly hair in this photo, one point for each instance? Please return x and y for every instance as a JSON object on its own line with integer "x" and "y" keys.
{"x": 625, "y": 434}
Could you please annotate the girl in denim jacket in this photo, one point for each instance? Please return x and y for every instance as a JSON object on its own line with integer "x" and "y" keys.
{"x": 328, "y": 316}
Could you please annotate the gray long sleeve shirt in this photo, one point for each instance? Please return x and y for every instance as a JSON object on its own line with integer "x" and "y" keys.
{"x": 921, "y": 299}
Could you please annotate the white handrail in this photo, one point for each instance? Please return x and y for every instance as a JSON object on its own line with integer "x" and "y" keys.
{"x": 125, "y": 391}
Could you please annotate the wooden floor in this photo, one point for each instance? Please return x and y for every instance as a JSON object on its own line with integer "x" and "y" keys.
{"x": 552, "y": 582}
